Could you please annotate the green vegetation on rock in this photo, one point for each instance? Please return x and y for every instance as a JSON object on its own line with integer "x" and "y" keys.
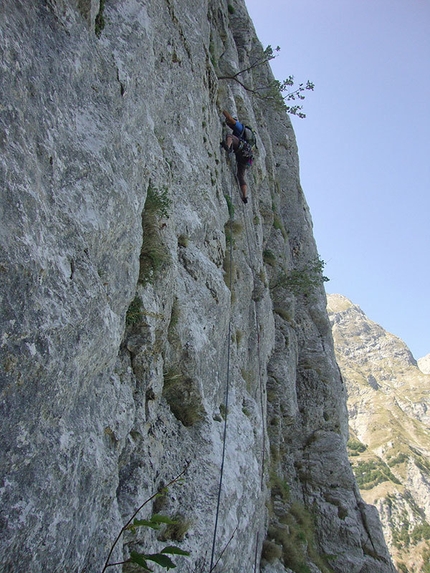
{"x": 154, "y": 254}
{"x": 370, "y": 473}
{"x": 296, "y": 534}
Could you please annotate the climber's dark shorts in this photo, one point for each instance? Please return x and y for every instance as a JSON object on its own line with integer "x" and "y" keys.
{"x": 241, "y": 162}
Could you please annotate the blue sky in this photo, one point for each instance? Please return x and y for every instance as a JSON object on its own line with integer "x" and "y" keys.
{"x": 364, "y": 146}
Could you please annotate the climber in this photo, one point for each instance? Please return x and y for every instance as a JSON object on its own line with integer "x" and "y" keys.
{"x": 241, "y": 142}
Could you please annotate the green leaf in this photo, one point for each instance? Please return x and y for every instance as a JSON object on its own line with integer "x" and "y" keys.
{"x": 155, "y": 522}
{"x": 162, "y": 560}
{"x": 173, "y": 550}
{"x": 139, "y": 560}
{"x": 143, "y": 523}
{"x": 157, "y": 518}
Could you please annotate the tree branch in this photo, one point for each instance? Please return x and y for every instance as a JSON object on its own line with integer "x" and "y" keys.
{"x": 174, "y": 480}
{"x": 274, "y": 89}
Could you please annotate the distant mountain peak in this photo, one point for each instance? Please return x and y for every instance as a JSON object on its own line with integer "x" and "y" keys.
{"x": 389, "y": 420}
{"x": 338, "y": 303}
{"x": 366, "y": 340}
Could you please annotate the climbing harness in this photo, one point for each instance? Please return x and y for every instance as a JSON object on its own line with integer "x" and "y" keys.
{"x": 248, "y": 134}
{"x": 245, "y": 151}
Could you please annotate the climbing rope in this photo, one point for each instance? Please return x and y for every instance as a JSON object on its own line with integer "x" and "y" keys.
{"x": 224, "y": 442}
{"x": 227, "y": 389}
{"x": 257, "y": 330}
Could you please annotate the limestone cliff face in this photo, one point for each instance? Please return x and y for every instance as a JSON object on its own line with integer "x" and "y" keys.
{"x": 141, "y": 310}
{"x": 388, "y": 403}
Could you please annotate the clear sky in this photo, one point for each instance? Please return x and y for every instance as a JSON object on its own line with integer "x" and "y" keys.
{"x": 364, "y": 146}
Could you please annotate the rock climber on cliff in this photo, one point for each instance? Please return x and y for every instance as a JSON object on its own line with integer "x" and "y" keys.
{"x": 241, "y": 141}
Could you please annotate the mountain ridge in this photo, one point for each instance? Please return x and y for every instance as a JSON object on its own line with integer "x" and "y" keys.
{"x": 389, "y": 420}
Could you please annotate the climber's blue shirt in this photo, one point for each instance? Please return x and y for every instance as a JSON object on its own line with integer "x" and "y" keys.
{"x": 238, "y": 129}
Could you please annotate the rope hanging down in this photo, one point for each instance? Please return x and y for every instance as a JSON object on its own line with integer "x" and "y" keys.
{"x": 257, "y": 330}
{"x": 230, "y": 284}
{"x": 224, "y": 440}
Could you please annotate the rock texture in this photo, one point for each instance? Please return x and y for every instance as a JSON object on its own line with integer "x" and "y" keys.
{"x": 424, "y": 364}
{"x": 150, "y": 325}
{"x": 388, "y": 403}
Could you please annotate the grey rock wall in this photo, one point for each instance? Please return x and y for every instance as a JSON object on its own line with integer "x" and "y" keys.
{"x": 129, "y": 336}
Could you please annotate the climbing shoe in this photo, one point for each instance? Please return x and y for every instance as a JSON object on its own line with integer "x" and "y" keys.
{"x": 245, "y": 199}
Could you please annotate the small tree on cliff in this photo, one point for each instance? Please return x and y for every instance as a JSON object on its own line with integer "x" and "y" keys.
{"x": 280, "y": 92}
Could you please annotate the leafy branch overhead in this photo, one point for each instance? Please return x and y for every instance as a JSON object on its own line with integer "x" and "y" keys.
{"x": 280, "y": 92}
{"x": 303, "y": 281}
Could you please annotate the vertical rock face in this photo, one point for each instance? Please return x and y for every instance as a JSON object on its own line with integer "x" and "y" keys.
{"x": 142, "y": 310}
{"x": 388, "y": 402}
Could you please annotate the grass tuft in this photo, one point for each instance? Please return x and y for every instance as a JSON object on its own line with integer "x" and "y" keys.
{"x": 182, "y": 396}
{"x": 154, "y": 254}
